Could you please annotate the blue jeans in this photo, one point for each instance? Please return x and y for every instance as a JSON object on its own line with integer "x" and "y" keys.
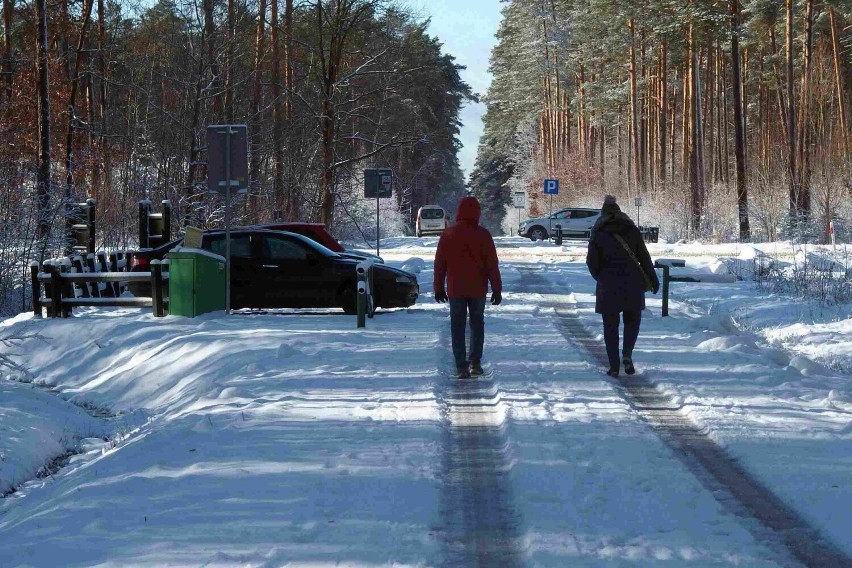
{"x": 459, "y": 310}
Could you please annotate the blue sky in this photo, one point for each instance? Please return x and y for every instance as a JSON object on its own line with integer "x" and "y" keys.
{"x": 466, "y": 28}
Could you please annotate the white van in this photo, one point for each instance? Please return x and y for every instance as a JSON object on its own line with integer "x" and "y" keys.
{"x": 431, "y": 220}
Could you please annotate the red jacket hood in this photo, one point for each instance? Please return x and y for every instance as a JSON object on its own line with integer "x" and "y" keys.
{"x": 469, "y": 210}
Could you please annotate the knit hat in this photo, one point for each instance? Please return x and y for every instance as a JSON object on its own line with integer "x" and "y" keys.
{"x": 609, "y": 205}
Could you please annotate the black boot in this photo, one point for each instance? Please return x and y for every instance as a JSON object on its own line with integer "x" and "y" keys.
{"x": 628, "y": 365}
{"x": 462, "y": 372}
{"x": 613, "y": 373}
{"x": 476, "y": 368}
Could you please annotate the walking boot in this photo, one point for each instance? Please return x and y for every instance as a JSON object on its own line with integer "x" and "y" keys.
{"x": 476, "y": 368}
{"x": 628, "y": 365}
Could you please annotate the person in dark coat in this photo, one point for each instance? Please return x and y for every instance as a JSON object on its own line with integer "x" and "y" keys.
{"x": 467, "y": 259}
{"x": 621, "y": 284}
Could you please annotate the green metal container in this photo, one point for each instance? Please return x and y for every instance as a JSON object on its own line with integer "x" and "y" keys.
{"x": 196, "y": 282}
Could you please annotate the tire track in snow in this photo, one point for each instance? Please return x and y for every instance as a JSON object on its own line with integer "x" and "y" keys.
{"x": 780, "y": 528}
{"x": 480, "y": 525}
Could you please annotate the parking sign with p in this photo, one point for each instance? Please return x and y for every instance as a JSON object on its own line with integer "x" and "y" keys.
{"x": 551, "y": 186}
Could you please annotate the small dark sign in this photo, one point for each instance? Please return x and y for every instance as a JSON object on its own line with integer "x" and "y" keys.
{"x": 221, "y": 138}
{"x": 378, "y": 182}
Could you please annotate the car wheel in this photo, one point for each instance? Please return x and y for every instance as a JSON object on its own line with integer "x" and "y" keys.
{"x": 537, "y": 234}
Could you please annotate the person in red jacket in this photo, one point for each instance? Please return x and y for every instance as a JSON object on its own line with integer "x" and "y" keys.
{"x": 467, "y": 259}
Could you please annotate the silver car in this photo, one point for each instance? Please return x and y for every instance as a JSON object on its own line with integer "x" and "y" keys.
{"x": 575, "y": 222}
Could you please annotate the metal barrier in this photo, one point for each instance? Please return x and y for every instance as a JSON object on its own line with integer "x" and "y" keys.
{"x": 666, "y": 264}
{"x": 558, "y": 238}
{"x": 365, "y": 301}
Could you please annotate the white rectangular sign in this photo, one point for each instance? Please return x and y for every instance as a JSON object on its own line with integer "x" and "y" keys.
{"x": 520, "y": 199}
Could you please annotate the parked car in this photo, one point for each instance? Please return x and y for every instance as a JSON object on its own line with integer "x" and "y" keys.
{"x": 575, "y": 221}
{"x": 431, "y": 220}
{"x": 280, "y": 269}
{"x": 318, "y": 233}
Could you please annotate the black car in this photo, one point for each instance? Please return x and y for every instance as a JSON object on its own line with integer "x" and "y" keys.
{"x": 279, "y": 269}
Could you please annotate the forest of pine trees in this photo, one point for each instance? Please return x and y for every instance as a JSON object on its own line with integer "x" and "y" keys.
{"x": 730, "y": 118}
{"x": 110, "y": 99}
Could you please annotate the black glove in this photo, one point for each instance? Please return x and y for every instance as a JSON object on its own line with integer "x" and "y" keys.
{"x": 496, "y": 298}
{"x": 440, "y": 296}
{"x": 656, "y": 288}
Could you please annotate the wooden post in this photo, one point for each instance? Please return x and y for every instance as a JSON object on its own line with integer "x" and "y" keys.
{"x": 665, "y": 290}
{"x": 167, "y": 220}
{"x": 104, "y": 266}
{"x": 77, "y": 262}
{"x": 113, "y": 267}
{"x": 55, "y": 290}
{"x": 36, "y": 288}
{"x": 48, "y": 289}
{"x": 90, "y": 206}
{"x": 90, "y": 262}
{"x": 144, "y": 207}
{"x": 67, "y": 289}
{"x": 156, "y": 288}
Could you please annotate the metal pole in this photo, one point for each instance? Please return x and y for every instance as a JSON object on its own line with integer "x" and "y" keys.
{"x": 637, "y": 216}
{"x": 665, "y": 290}
{"x": 228, "y": 220}
{"x": 378, "y": 232}
{"x": 550, "y": 218}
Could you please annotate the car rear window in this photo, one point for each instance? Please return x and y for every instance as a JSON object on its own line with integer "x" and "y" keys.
{"x": 432, "y": 213}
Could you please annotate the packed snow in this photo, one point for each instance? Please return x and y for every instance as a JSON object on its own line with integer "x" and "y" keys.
{"x": 291, "y": 437}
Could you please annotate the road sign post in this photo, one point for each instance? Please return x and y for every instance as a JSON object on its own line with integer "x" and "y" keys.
{"x": 378, "y": 182}
{"x": 520, "y": 201}
{"x": 638, "y": 203}
{"x": 551, "y": 188}
{"x": 227, "y": 171}
{"x": 831, "y": 234}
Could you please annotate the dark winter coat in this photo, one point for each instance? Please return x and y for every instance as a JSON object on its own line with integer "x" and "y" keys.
{"x": 466, "y": 256}
{"x": 620, "y": 286}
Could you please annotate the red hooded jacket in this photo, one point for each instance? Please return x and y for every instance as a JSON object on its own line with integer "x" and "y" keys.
{"x": 466, "y": 256}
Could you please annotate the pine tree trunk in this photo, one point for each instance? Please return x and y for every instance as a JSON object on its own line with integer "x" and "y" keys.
{"x": 805, "y": 128}
{"x": 215, "y": 72}
{"x": 791, "y": 115}
{"x": 8, "y": 11}
{"x": 739, "y": 129}
{"x": 662, "y": 121}
{"x": 44, "y": 167}
{"x": 697, "y": 155}
{"x": 256, "y": 112}
{"x": 72, "y": 103}
{"x": 278, "y": 114}
{"x": 229, "y": 64}
{"x": 634, "y": 103}
{"x": 841, "y": 111}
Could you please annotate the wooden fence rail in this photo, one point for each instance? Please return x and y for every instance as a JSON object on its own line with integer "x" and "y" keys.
{"x": 64, "y": 289}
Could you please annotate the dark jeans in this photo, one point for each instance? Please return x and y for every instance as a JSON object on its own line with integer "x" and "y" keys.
{"x": 459, "y": 310}
{"x": 631, "y": 332}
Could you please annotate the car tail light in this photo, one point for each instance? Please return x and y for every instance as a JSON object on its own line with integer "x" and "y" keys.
{"x": 139, "y": 263}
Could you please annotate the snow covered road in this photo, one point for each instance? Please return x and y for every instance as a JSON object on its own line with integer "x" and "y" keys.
{"x": 287, "y": 439}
